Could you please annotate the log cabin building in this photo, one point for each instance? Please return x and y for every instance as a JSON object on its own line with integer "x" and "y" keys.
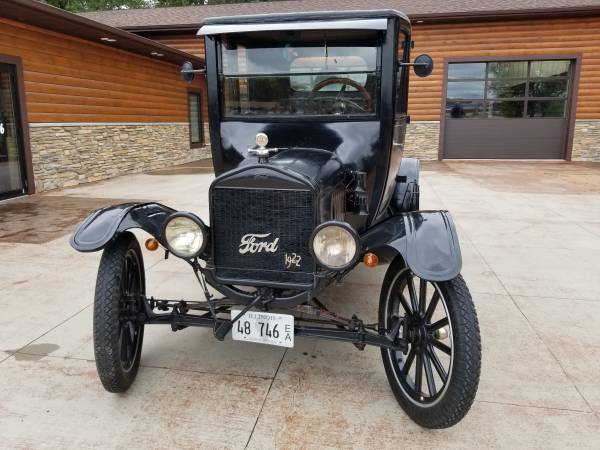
{"x": 513, "y": 79}
{"x": 82, "y": 101}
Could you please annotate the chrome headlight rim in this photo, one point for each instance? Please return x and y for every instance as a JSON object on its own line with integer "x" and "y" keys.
{"x": 194, "y": 218}
{"x": 346, "y": 226}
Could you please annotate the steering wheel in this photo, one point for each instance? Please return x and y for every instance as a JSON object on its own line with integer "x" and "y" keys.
{"x": 344, "y": 82}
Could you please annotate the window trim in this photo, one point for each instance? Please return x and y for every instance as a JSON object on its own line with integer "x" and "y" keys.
{"x": 571, "y": 102}
{"x": 198, "y": 93}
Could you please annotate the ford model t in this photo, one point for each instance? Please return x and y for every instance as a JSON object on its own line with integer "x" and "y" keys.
{"x": 307, "y": 119}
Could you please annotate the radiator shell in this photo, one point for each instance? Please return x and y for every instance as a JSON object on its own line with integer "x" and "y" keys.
{"x": 284, "y": 213}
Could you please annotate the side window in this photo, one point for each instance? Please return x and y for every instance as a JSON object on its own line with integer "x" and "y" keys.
{"x": 195, "y": 114}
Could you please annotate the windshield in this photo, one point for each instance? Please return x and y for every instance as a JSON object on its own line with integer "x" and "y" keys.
{"x": 310, "y": 72}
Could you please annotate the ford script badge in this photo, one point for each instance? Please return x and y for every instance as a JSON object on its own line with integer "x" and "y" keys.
{"x": 256, "y": 243}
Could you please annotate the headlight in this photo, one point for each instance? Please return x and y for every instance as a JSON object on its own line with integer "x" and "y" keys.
{"x": 185, "y": 235}
{"x": 335, "y": 245}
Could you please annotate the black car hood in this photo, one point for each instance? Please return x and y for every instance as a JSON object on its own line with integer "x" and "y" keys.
{"x": 318, "y": 167}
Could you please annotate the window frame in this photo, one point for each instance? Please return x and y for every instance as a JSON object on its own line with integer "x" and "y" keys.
{"x": 22, "y": 122}
{"x": 198, "y": 94}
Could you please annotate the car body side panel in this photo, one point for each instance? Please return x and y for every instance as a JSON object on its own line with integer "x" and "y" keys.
{"x": 359, "y": 144}
{"x": 101, "y": 226}
{"x": 427, "y": 241}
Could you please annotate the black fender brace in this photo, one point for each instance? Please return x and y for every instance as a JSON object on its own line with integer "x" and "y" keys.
{"x": 427, "y": 241}
{"x": 406, "y": 193}
{"x": 103, "y": 225}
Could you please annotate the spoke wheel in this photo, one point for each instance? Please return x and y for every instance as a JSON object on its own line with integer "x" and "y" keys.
{"x": 118, "y": 330}
{"x": 425, "y": 369}
{"x": 130, "y": 329}
{"x": 436, "y": 378}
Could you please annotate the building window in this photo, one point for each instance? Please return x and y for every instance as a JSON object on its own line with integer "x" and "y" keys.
{"x": 507, "y": 89}
{"x": 195, "y": 113}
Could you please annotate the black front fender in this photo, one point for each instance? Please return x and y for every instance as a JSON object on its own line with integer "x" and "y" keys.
{"x": 103, "y": 225}
{"x": 427, "y": 241}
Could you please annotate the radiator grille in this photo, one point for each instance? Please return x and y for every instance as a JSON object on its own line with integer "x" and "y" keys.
{"x": 283, "y": 221}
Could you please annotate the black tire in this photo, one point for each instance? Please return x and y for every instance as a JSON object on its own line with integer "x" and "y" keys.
{"x": 441, "y": 392}
{"x": 118, "y": 333}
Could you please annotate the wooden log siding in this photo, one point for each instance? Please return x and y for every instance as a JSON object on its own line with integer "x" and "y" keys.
{"x": 190, "y": 43}
{"x": 74, "y": 80}
{"x": 503, "y": 38}
{"x": 507, "y": 38}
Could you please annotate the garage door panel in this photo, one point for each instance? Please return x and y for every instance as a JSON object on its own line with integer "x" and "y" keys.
{"x": 505, "y": 139}
{"x": 507, "y": 110}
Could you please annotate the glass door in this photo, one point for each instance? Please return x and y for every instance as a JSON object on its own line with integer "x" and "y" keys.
{"x": 12, "y": 181}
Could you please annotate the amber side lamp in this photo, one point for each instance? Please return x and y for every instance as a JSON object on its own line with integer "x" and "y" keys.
{"x": 151, "y": 244}
{"x": 370, "y": 259}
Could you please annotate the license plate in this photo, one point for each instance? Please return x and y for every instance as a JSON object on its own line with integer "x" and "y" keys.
{"x": 264, "y": 328}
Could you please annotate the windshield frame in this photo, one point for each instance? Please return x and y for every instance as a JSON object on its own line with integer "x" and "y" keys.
{"x": 280, "y": 117}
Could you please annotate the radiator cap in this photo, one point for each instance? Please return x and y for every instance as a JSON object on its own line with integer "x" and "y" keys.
{"x": 261, "y": 140}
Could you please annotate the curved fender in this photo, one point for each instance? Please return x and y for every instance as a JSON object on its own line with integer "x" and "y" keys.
{"x": 101, "y": 226}
{"x": 427, "y": 241}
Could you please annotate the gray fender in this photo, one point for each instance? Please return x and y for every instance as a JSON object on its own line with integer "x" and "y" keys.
{"x": 427, "y": 241}
{"x": 103, "y": 225}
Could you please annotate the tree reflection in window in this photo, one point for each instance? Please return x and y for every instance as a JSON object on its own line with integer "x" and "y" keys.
{"x": 507, "y": 89}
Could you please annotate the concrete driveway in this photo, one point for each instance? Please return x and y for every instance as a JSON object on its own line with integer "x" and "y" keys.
{"x": 530, "y": 236}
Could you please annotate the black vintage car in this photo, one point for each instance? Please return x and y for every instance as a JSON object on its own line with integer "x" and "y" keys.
{"x": 307, "y": 120}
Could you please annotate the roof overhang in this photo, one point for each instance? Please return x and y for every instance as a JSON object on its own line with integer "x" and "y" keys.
{"x": 362, "y": 24}
{"x": 55, "y": 19}
{"x": 313, "y": 20}
{"x": 419, "y": 18}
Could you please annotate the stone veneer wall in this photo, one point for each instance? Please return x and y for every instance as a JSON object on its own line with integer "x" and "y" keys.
{"x": 586, "y": 141}
{"x": 422, "y": 140}
{"x": 69, "y": 154}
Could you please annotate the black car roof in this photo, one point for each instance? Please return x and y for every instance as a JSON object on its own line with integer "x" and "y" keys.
{"x": 306, "y": 16}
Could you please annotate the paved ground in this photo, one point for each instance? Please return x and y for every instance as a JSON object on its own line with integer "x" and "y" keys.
{"x": 530, "y": 236}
